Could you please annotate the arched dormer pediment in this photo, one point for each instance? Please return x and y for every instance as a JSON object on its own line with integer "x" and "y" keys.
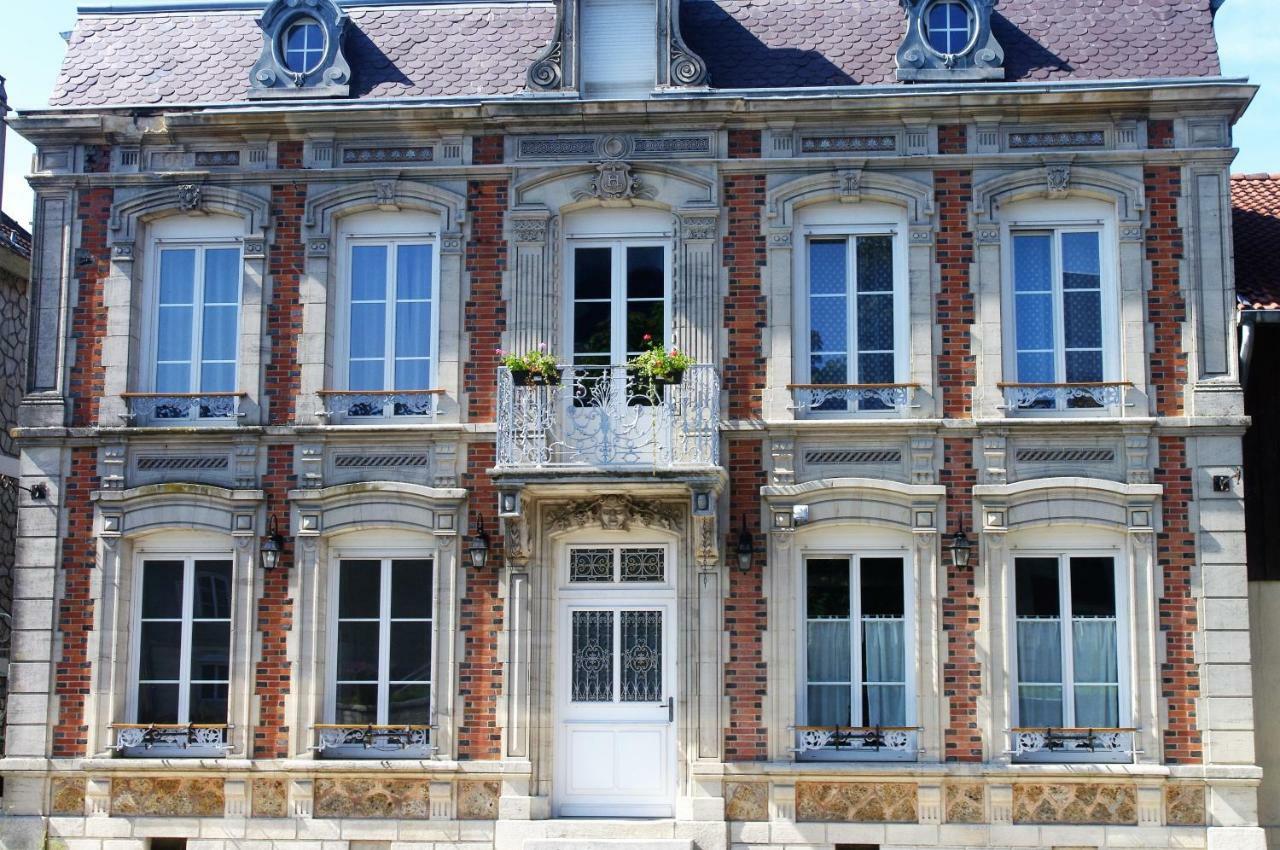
{"x": 323, "y": 211}
{"x": 1058, "y": 179}
{"x": 156, "y": 508}
{"x": 616, "y": 183}
{"x": 848, "y": 185}
{"x": 189, "y": 199}
{"x": 374, "y": 505}
{"x": 859, "y": 501}
{"x": 1068, "y": 501}
{"x": 303, "y": 51}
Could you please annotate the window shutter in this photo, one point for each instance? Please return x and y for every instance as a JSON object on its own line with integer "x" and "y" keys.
{"x": 618, "y": 48}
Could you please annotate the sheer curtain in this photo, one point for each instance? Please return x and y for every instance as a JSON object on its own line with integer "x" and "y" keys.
{"x": 884, "y": 672}
{"x": 1039, "y": 672}
{"x": 829, "y": 672}
{"x": 1097, "y": 679}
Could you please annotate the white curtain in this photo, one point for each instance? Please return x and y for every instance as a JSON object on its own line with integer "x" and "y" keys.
{"x": 1096, "y": 673}
{"x": 829, "y": 661}
{"x": 884, "y": 673}
{"x": 1039, "y": 673}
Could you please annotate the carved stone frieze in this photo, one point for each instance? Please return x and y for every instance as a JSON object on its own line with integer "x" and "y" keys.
{"x": 1058, "y": 180}
{"x": 708, "y": 541}
{"x": 190, "y": 197}
{"x": 857, "y": 802}
{"x": 616, "y": 513}
{"x": 701, "y": 229}
{"x": 1075, "y": 803}
{"x": 746, "y": 801}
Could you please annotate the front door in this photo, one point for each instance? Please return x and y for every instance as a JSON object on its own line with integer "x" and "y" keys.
{"x": 615, "y": 736}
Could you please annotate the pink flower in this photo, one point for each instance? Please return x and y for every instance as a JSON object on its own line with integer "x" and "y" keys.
{"x": 500, "y": 352}
{"x": 542, "y": 346}
{"x": 648, "y": 338}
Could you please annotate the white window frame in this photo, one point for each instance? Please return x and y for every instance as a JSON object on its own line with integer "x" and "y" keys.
{"x": 308, "y": 67}
{"x": 151, "y": 340}
{"x": 909, "y": 644}
{"x": 1124, "y": 643}
{"x": 901, "y": 304}
{"x": 1064, "y": 216}
{"x": 342, "y": 362}
{"x": 926, "y": 30}
{"x": 618, "y": 244}
{"x": 386, "y": 556}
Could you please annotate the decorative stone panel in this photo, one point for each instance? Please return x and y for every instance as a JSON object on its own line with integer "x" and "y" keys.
{"x": 857, "y": 802}
{"x": 270, "y": 798}
{"x": 67, "y": 796}
{"x": 746, "y": 801}
{"x": 965, "y": 802}
{"x": 1184, "y": 804}
{"x": 372, "y": 798}
{"x": 478, "y": 800}
{"x": 1075, "y": 803}
{"x": 167, "y": 797}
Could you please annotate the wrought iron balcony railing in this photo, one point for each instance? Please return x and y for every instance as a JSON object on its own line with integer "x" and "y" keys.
{"x": 171, "y": 740}
{"x": 847, "y": 399}
{"x": 337, "y": 740}
{"x": 364, "y": 405}
{"x": 866, "y": 743}
{"x": 1028, "y": 398}
{"x": 608, "y": 417}
{"x": 182, "y": 408}
{"x": 1072, "y": 745}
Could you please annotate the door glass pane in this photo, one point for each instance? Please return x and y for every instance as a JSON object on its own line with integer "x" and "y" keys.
{"x": 208, "y": 702}
{"x": 413, "y": 320}
{"x": 592, "y": 305}
{"x": 885, "y": 705}
{"x": 1039, "y": 706}
{"x": 367, "y": 343}
{"x": 643, "y": 565}
{"x": 829, "y": 314}
{"x": 1039, "y": 642}
{"x": 213, "y": 590}
{"x": 1093, "y": 587}
{"x": 410, "y": 651}
{"x": 359, "y": 589}
{"x": 828, "y": 651}
{"x": 411, "y": 588}
{"x": 641, "y": 659}
{"x": 589, "y": 565}
{"x": 1037, "y": 587}
{"x": 829, "y": 641}
{"x": 410, "y": 704}
{"x": 829, "y": 705}
{"x": 827, "y": 592}
{"x": 1033, "y": 307}
{"x": 356, "y": 704}
{"x": 646, "y": 302}
{"x": 1081, "y": 266}
{"x": 159, "y": 650}
{"x": 162, "y": 589}
{"x": 357, "y": 651}
{"x": 158, "y": 703}
{"x": 592, "y": 656}
{"x": 210, "y": 651}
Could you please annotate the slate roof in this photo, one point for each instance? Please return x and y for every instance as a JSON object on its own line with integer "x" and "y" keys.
{"x": 478, "y": 49}
{"x": 1255, "y": 215}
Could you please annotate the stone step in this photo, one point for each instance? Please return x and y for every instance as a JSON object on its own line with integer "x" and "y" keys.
{"x": 609, "y": 844}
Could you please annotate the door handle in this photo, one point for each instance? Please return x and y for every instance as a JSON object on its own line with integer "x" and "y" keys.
{"x": 671, "y": 709}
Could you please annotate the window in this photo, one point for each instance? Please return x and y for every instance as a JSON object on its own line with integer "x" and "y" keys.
{"x": 304, "y": 46}
{"x": 856, "y": 656}
{"x": 1068, "y": 652}
{"x": 183, "y": 652}
{"x": 949, "y": 27}
{"x": 1060, "y": 315}
{"x": 390, "y": 332}
{"x": 852, "y": 317}
{"x": 383, "y": 642}
{"x": 196, "y": 326}
{"x": 618, "y": 48}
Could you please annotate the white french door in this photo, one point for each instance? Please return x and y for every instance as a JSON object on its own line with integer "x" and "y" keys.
{"x": 615, "y": 651}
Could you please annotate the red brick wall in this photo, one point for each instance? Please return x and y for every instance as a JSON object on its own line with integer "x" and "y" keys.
{"x": 961, "y": 672}
{"x": 486, "y": 150}
{"x": 486, "y": 312}
{"x": 89, "y": 315}
{"x": 1159, "y": 134}
{"x": 1166, "y": 308}
{"x": 1176, "y": 553}
{"x": 954, "y": 310}
{"x": 746, "y": 680}
{"x": 481, "y": 617}
{"x": 744, "y": 144}
{"x": 745, "y": 313}
{"x": 285, "y": 265}
{"x": 275, "y": 616}
{"x": 76, "y": 608}
{"x": 953, "y": 139}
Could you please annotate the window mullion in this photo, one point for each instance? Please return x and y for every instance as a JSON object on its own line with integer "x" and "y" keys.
{"x": 195, "y": 384}
{"x": 389, "y": 323}
{"x": 384, "y": 642}
{"x": 853, "y": 344}
{"x": 1068, "y": 648}
{"x": 184, "y": 643}
{"x": 1059, "y": 308}
{"x": 619, "y": 304}
{"x": 855, "y": 641}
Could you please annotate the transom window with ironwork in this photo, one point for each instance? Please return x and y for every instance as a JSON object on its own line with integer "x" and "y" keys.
{"x": 618, "y": 564}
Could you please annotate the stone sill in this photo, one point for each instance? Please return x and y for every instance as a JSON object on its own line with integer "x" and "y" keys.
{"x": 304, "y": 767}
{"x": 992, "y": 772}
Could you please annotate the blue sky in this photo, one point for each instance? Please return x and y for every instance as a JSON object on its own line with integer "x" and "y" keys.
{"x": 31, "y": 50}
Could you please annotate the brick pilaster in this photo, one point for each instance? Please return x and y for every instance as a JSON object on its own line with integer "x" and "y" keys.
{"x": 89, "y": 315}
{"x": 271, "y": 674}
{"x": 1166, "y": 308}
{"x": 961, "y": 672}
{"x": 72, "y": 673}
{"x": 486, "y": 150}
{"x": 1176, "y": 555}
{"x": 746, "y": 312}
{"x": 746, "y": 680}
{"x": 486, "y": 312}
{"x": 744, "y": 144}
{"x": 284, "y": 312}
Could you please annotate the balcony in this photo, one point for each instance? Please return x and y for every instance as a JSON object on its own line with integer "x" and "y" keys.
{"x": 606, "y": 418}
{"x": 336, "y": 740}
{"x": 1087, "y": 746}
{"x": 847, "y": 400}
{"x": 160, "y": 409}
{"x": 1106, "y": 399}
{"x": 364, "y": 406}
{"x": 171, "y": 740}
{"x": 869, "y": 743}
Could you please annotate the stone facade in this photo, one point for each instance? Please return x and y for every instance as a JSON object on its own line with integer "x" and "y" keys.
{"x": 720, "y": 489}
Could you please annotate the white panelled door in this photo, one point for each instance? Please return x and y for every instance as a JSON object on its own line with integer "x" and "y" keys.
{"x": 615, "y": 736}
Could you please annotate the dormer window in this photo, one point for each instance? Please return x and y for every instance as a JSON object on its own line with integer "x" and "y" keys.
{"x": 947, "y": 40}
{"x": 303, "y": 46}
{"x": 949, "y": 27}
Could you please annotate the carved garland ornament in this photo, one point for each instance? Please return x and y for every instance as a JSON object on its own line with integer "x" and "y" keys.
{"x": 616, "y": 513}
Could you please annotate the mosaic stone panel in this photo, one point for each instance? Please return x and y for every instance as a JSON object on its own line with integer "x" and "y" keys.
{"x": 746, "y": 801}
{"x": 67, "y": 797}
{"x": 270, "y": 798}
{"x": 371, "y": 798}
{"x": 478, "y": 800}
{"x": 1184, "y": 804}
{"x": 167, "y": 797}
{"x": 965, "y": 802}
{"x": 1075, "y": 803}
{"x": 857, "y": 802}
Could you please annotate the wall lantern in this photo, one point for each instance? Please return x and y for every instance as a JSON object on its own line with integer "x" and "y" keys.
{"x": 270, "y": 546}
{"x": 478, "y": 546}
{"x": 746, "y": 548}
{"x": 961, "y": 547}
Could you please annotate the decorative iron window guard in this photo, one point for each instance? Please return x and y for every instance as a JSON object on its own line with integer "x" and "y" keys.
{"x": 167, "y": 739}
{"x": 852, "y": 398}
{"x": 1053, "y": 742}
{"x": 1086, "y": 396}
{"x": 162, "y": 408}
{"x": 607, "y": 416}
{"x": 857, "y": 741}
{"x": 377, "y": 404}
{"x": 372, "y": 740}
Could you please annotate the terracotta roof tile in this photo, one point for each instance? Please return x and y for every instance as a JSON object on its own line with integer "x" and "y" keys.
{"x": 1255, "y": 202}
{"x": 476, "y": 49}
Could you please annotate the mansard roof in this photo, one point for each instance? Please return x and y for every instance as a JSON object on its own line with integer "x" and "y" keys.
{"x": 1255, "y": 202}
{"x": 435, "y": 49}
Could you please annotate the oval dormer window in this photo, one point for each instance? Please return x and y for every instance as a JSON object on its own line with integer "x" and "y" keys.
{"x": 303, "y": 45}
{"x": 948, "y": 27}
